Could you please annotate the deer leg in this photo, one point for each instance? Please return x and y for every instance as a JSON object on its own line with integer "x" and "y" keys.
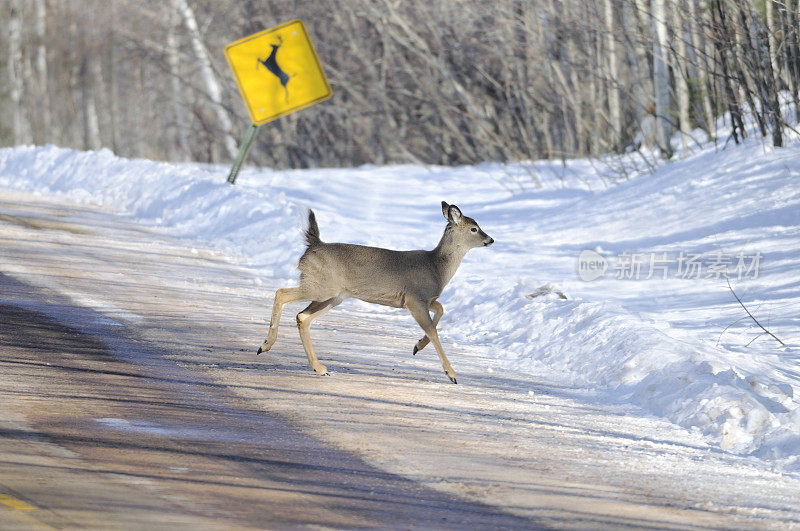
{"x": 419, "y": 310}
{"x": 304, "y": 319}
{"x": 437, "y": 314}
{"x": 282, "y": 297}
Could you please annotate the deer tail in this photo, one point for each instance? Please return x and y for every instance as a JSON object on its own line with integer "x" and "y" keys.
{"x": 312, "y": 231}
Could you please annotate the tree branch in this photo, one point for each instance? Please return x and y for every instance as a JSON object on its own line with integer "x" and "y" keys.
{"x": 750, "y": 314}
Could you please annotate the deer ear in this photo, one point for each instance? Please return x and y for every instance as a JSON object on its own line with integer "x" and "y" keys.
{"x": 445, "y": 208}
{"x": 454, "y": 214}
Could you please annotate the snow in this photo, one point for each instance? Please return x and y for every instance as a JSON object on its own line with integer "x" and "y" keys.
{"x": 679, "y": 348}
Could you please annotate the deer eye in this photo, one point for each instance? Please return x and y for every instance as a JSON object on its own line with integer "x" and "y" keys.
{"x": 473, "y": 229}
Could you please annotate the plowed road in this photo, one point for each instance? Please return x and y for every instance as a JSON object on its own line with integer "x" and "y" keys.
{"x": 130, "y": 397}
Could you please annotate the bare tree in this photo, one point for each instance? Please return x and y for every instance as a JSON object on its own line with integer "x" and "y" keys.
{"x": 19, "y": 124}
{"x": 178, "y": 148}
{"x": 614, "y": 111}
{"x": 209, "y": 77}
{"x": 422, "y": 82}
{"x": 702, "y": 79}
{"x": 661, "y": 77}
{"x": 681, "y": 72}
{"x": 41, "y": 71}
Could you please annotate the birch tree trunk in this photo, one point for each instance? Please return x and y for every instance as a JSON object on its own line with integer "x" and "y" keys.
{"x": 19, "y": 124}
{"x": 209, "y": 79}
{"x": 615, "y": 116}
{"x": 701, "y": 63}
{"x": 661, "y": 77}
{"x": 790, "y": 49}
{"x": 681, "y": 75}
{"x": 89, "y": 88}
{"x": 178, "y": 149}
{"x": 792, "y": 7}
{"x": 113, "y": 89}
{"x": 41, "y": 71}
{"x": 636, "y": 24}
{"x": 769, "y": 7}
{"x": 593, "y": 140}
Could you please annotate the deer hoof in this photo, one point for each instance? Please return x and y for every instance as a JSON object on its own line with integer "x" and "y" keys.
{"x": 414, "y": 353}
{"x": 452, "y": 379}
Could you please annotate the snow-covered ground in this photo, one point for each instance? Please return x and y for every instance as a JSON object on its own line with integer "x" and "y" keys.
{"x": 680, "y": 347}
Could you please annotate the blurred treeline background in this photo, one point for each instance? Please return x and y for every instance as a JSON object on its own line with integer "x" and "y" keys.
{"x": 423, "y": 81}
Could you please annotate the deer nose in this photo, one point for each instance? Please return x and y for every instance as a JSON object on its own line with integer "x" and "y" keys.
{"x": 488, "y": 242}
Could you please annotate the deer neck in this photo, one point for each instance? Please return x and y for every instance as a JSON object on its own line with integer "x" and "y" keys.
{"x": 448, "y": 256}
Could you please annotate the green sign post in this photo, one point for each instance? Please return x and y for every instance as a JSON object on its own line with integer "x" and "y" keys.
{"x": 277, "y": 72}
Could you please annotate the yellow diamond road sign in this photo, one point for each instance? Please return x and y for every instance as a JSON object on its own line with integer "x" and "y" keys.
{"x": 277, "y": 71}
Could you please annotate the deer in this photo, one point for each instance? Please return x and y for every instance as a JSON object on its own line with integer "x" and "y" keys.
{"x": 331, "y": 273}
{"x": 271, "y": 64}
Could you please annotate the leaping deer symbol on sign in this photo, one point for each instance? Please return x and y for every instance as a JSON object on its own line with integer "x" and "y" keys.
{"x": 290, "y": 65}
{"x": 271, "y": 64}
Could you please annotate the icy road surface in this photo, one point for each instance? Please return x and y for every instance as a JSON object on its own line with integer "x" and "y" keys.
{"x": 98, "y": 431}
{"x": 524, "y": 445}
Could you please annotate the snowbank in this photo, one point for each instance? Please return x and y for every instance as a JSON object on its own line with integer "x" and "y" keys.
{"x": 659, "y": 343}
